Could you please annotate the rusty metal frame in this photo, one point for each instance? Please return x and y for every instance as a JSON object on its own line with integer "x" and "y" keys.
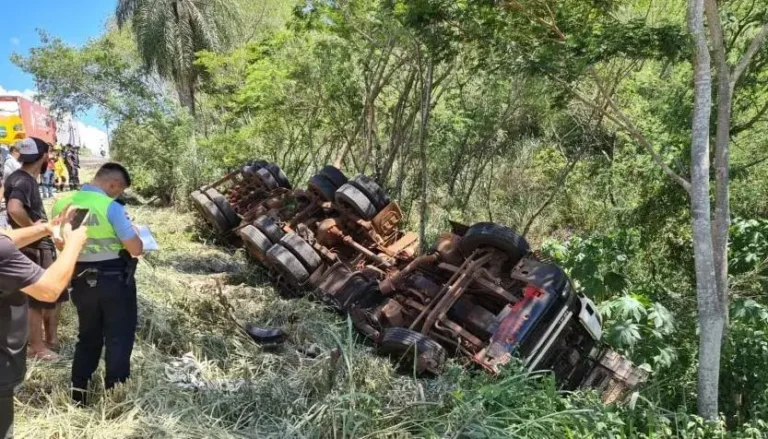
{"x": 379, "y": 249}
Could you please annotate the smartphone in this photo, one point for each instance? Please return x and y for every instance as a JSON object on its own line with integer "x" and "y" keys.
{"x": 80, "y": 216}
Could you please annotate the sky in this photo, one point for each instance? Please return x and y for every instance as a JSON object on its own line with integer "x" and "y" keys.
{"x": 75, "y": 21}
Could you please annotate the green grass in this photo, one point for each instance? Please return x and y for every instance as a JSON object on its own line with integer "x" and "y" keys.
{"x": 190, "y": 295}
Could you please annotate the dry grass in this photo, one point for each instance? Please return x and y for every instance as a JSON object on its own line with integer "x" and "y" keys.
{"x": 277, "y": 394}
{"x": 195, "y": 374}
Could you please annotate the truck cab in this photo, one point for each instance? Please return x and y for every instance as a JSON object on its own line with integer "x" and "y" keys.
{"x": 11, "y": 129}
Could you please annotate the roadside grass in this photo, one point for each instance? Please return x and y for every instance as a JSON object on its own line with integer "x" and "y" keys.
{"x": 196, "y": 375}
{"x": 186, "y": 292}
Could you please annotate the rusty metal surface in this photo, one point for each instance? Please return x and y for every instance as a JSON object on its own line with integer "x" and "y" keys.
{"x": 473, "y": 305}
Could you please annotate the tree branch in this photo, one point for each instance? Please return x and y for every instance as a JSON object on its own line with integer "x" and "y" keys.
{"x": 744, "y": 167}
{"x": 754, "y": 46}
{"x": 630, "y": 127}
{"x": 748, "y": 124}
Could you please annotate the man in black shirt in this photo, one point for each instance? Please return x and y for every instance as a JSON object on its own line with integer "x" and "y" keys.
{"x": 25, "y": 208}
{"x": 19, "y": 278}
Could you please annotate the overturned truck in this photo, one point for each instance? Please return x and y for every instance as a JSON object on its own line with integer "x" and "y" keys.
{"x": 479, "y": 293}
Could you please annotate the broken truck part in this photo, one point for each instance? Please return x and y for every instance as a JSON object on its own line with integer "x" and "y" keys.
{"x": 480, "y": 292}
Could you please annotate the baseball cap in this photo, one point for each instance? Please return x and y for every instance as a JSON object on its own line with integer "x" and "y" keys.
{"x": 31, "y": 149}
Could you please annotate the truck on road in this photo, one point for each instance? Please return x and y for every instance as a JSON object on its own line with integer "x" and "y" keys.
{"x": 21, "y": 117}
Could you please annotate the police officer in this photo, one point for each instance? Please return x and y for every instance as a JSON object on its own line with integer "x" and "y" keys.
{"x": 103, "y": 287}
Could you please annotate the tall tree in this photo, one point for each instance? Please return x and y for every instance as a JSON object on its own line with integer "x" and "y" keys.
{"x": 170, "y": 32}
{"x": 711, "y": 315}
{"x": 727, "y": 78}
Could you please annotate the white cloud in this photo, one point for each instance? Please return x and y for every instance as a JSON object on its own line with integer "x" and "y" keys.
{"x": 27, "y": 93}
{"x": 93, "y": 138}
{"x": 15, "y": 41}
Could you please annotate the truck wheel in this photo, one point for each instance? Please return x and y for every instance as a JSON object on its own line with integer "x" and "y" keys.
{"x": 287, "y": 265}
{"x": 334, "y": 174}
{"x": 280, "y": 177}
{"x": 323, "y": 186}
{"x": 354, "y": 198}
{"x": 267, "y": 179}
{"x": 224, "y": 207}
{"x": 497, "y": 236}
{"x": 210, "y": 212}
{"x": 405, "y": 345}
{"x": 372, "y": 190}
{"x": 302, "y": 250}
{"x": 268, "y": 226}
{"x": 256, "y": 242}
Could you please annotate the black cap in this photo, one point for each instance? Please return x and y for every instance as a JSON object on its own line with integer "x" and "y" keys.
{"x": 31, "y": 149}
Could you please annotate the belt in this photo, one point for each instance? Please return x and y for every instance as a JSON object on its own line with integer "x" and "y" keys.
{"x": 96, "y": 271}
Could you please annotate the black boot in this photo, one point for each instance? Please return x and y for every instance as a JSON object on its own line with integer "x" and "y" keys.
{"x": 79, "y": 397}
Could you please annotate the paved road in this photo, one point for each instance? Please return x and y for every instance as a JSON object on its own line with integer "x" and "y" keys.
{"x": 91, "y": 163}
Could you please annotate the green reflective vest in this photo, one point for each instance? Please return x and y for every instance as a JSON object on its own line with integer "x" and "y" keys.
{"x": 103, "y": 243}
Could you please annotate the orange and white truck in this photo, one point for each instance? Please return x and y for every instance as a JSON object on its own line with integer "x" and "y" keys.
{"x": 21, "y": 117}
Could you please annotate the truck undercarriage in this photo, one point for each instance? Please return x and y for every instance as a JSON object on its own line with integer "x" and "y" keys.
{"x": 480, "y": 293}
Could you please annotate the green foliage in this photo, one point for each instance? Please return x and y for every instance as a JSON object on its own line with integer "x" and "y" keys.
{"x": 102, "y": 74}
{"x": 163, "y": 159}
{"x": 743, "y": 378}
{"x": 169, "y": 32}
{"x": 600, "y": 268}
{"x": 749, "y": 244}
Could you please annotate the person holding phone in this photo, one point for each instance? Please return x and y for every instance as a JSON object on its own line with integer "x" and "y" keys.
{"x": 19, "y": 279}
{"x": 104, "y": 291}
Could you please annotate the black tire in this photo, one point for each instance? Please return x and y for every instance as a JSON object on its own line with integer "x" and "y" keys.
{"x": 496, "y": 236}
{"x": 372, "y": 190}
{"x": 280, "y": 177}
{"x": 333, "y": 174}
{"x": 267, "y": 179}
{"x": 268, "y": 226}
{"x": 221, "y": 202}
{"x": 211, "y": 213}
{"x": 256, "y": 243}
{"x": 354, "y": 198}
{"x": 323, "y": 186}
{"x": 302, "y": 250}
{"x": 250, "y": 168}
{"x": 399, "y": 344}
{"x": 287, "y": 264}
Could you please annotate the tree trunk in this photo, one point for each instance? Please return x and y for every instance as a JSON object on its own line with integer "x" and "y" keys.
{"x": 426, "y": 104}
{"x": 709, "y": 304}
{"x": 722, "y": 217}
{"x": 186, "y": 90}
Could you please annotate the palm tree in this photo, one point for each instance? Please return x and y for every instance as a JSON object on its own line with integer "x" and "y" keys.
{"x": 169, "y": 33}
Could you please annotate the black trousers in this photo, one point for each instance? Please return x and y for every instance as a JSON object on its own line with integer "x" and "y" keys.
{"x": 74, "y": 178}
{"x": 107, "y": 314}
{"x": 6, "y": 414}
